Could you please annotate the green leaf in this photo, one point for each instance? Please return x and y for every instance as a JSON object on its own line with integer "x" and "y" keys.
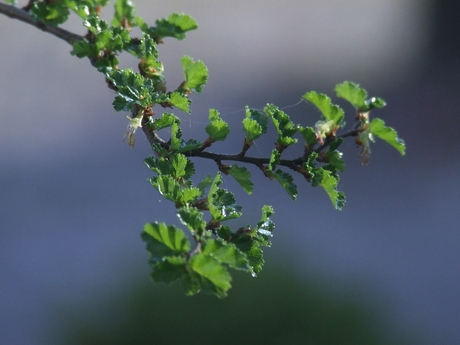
{"x": 189, "y": 145}
{"x": 124, "y": 12}
{"x": 132, "y": 88}
{"x": 196, "y": 74}
{"x": 145, "y": 48}
{"x": 284, "y": 180}
{"x": 176, "y": 135}
{"x": 83, "y": 10}
{"x": 180, "y": 101}
{"x": 168, "y": 187}
{"x": 352, "y": 93}
{"x": 274, "y": 160}
{"x": 227, "y": 254}
{"x": 283, "y": 124}
{"x": 247, "y": 244}
{"x": 325, "y": 178}
{"x": 189, "y": 194}
{"x": 178, "y": 163}
{"x": 375, "y": 102}
{"x": 314, "y": 173}
{"x": 175, "y": 165}
{"x": 166, "y": 120}
{"x": 163, "y": 240}
{"x": 334, "y": 159}
{"x": 254, "y": 124}
{"x": 160, "y": 150}
{"x": 329, "y": 183}
{"x": 334, "y": 145}
{"x": 11, "y": 2}
{"x": 330, "y": 111}
{"x": 53, "y": 13}
{"x": 221, "y": 203}
{"x": 265, "y": 228}
{"x": 192, "y": 218}
{"x": 169, "y": 270}
{"x": 267, "y": 211}
{"x": 309, "y": 135}
{"x": 209, "y": 268}
{"x": 158, "y": 164}
{"x": 176, "y": 25}
{"x": 388, "y": 134}
{"x": 218, "y": 129}
{"x": 242, "y": 176}
{"x": 356, "y": 95}
{"x": 83, "y": 48}
{"x": 204, "y": 184}
{"x": 224, "y": 233}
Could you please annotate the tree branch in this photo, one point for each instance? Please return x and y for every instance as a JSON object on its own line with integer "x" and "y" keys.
{"x": 24, "y": 16}
{"x": 293, "y": 164}
{"x": 153, "y": 138}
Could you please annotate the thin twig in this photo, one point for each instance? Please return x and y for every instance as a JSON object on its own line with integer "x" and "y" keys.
{"x": 24, "y": 16}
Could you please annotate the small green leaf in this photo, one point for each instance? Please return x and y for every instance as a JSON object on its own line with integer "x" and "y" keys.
{"x": 83, "y": 48}
{"x": 334, "y": 158}
{"x": 330, "y": 111}
{"x": 180, "y": 101}
{"x": 189, "y": 145}
{"x": 178, "y": 163}
{"x": 166, "y": 120}
{"x": 247, "y": 244}
{"x": 224, "y": 232}
{"x": 329, "y": 183}
{"x": 227, "y": 254}
{"x": 353, "y": 93}
{"x": 52, "y": 13}
{"x": 325, "y": 178}
{"x": 196, "y": 74}
{"x": 283, "y": 124}
{"x": 163, "y": 240}
{"x": 265, "y": 228}
{"x": 309, "y": 135}
{"x": 388, "y": 134}
{"x": 81, "y": 9}
{"x": 267, "y": 211}
{"x": 356, "y": 95}
{"x": 192, "y": 218}
{"x": 218, "y": 129}
{"x": 158, "y": 164}
{"x": 132, "y": 88}
{"x": 176, "y": 135}
{"x": 209, "y": 268}
{"x": 168, "y": 187}
{"x": 189, "y": 194}
{"x": 169, "y": 270}
{"x": 254, "y": 124}
{"x": 375, "y": 102}
{"x": 221, "y": 203}
{"x": 176, "y": 25}
{"x": 124, "y": 12}
{"x": 274, "y": 160}
{"x": 285, "y": 180}
{"x": 242, "y": 176}
{"x": 204, "y": 184}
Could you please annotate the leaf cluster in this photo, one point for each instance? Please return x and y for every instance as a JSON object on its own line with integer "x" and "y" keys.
{"x": 204, "y": 210}
{"x": 200, "y": 261}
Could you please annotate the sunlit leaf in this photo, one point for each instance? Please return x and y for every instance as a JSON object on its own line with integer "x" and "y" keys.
{"x": 388, "y": 134}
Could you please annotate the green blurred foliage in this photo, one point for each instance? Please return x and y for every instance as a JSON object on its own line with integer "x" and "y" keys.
{"x": 274, "y": 308}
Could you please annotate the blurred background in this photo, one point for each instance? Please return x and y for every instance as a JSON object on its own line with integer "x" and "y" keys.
{"x": 74, "y": 199}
